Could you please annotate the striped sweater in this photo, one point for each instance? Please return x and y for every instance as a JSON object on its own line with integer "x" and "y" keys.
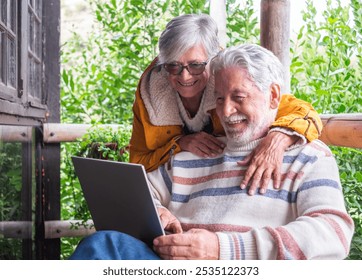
{"x": 306, "y": 219}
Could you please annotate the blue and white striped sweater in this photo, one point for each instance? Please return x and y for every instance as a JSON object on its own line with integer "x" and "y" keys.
{"x": 205, "y": 193}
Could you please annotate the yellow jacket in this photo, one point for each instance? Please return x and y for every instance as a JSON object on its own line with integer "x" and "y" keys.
{"x": 157, "y": 124}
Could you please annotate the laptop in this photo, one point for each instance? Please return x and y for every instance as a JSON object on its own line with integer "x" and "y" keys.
{"x": 118, "y": 197}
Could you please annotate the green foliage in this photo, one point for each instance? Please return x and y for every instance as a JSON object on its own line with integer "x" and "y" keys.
{"x": 351, "y": 178}
{"x": 326, "y": 71}
{"x": 326, "y": 62}
{"x": 100, "y": 76}
{"x": 106, "y": 143}
{"x": 10, "y": 195}
{"x": 242, "y": 23}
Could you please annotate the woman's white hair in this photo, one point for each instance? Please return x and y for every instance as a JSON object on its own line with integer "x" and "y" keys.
{"x": 186, "y": 31}
{"x": 262, "y": 65}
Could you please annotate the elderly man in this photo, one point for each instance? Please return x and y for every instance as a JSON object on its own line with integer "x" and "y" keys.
{"x": 200, "y": 200}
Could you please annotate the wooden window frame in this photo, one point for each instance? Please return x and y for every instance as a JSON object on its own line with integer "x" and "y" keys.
{"x": 24, "y": 102}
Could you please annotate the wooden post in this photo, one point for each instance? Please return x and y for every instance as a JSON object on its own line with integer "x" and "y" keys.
{"x": 218, "y": 13}
{"x": 275, "y": 33}
{"x": 48, "y": 161}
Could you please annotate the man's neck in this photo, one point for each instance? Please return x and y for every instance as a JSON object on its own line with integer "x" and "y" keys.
{"x": 237, "y": 146}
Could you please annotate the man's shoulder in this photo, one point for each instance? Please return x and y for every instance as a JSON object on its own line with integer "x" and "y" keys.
{"x": 317, "y": 148}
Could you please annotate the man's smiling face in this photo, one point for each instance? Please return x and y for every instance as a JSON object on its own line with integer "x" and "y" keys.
{"x": 244, "y": 110}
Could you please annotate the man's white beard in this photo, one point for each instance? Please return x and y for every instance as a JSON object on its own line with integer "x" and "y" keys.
{"x": 252, "y": 132}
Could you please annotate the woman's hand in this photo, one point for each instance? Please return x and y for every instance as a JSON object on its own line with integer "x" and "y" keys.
{"x": 265, "y": 162}
{"x": 201, "y": 144}
{"x": 169, "y": 221}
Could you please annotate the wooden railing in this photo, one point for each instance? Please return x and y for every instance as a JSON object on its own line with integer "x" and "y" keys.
{"x": 343, "y": 130}
{"x": 339, "y": 130}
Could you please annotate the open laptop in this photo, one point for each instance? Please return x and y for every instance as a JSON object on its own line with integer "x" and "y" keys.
{"x": 118, "y": 197}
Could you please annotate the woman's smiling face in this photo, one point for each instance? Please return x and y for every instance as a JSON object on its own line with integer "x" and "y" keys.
{"x": 187, "y": 85}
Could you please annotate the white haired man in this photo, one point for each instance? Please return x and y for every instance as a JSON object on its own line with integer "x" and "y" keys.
{"x": 200, "y": 201}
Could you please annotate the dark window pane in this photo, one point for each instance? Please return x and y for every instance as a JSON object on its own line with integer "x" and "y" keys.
{"x": 38, "y": 7}
{"x": 31, "y": 31}
{"x": 1, "y": 58}
{"x": 38, "y": 39}
{"x": 38, "y": 81}
{"x": 35, "y": 49}
{"x": 13, "y": 16}
{"x": 4, "y": 11}
{"x": 12, "y": 63}
{"x": 30, "y": 77}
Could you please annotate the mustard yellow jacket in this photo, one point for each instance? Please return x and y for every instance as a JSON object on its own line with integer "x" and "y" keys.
{"x": 157, "y": 124}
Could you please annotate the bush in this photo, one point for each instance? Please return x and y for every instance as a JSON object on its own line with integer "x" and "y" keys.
{"x": 326, "y": 71}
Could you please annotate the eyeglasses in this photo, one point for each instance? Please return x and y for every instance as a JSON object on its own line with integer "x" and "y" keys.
{"x": 195, "y": 68}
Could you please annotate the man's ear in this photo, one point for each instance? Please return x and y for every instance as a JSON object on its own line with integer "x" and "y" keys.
{"x": 274, "y": 96}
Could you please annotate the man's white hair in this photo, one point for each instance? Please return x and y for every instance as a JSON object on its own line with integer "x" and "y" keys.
{"x": 262, "y": 65}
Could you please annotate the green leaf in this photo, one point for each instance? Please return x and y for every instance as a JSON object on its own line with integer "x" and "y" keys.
{"x": 358, "y": 176}
{"x": 337, "y": 71}
{"x": 322, "y": 92}
{"x": 65, "y": 77}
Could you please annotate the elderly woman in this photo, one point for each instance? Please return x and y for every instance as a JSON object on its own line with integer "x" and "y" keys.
{"x": 174, "y": 109}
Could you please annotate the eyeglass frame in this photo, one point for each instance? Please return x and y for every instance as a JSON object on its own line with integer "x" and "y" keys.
{"x": 182, "y": 67}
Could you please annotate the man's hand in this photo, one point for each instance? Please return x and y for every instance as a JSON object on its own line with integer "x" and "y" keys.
{"x": 169, "y": 221}
{"x": 195, "y": 244}
{"x": 201, "y": 144}
{"x": 266, "y": 162}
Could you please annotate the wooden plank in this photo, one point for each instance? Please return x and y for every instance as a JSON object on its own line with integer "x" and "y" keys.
{"x": 16, "y": 229}
{"x": 69, "y": 228}
{"x": 53, "y": 229}
{"x": 9, "y": 133}
{"x": 339, "y": 130}
{"x": 344, "y": 130}
{"x": 19, "y": 110}
{"x": 57, "y": 132}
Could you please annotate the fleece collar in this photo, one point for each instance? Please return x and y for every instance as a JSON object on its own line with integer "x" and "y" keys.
{"x": 163, "y": 106}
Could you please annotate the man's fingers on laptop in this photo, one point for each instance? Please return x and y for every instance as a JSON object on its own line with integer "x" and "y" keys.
{"x": 194, "y": 244}
{"x": 169, "y": 221}
{"x": 174, "y": 227}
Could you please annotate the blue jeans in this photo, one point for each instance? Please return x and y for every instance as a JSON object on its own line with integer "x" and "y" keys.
{"x": 112, "y": 245}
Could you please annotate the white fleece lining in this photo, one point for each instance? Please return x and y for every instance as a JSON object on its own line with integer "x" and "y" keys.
{"x": 196, "y": 123}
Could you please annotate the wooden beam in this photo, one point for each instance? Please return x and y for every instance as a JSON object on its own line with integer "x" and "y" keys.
{"x": 53, "y": 229}
{"x": 57, "y": 132}
{"x": 343, "y": 130}
{"x": 339, "y": 130}
{"x": 275, "y": 33}
{"x": 11, "y": 133}
{"x": 16, "y": 229}
{"x": 69, "y": 228}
